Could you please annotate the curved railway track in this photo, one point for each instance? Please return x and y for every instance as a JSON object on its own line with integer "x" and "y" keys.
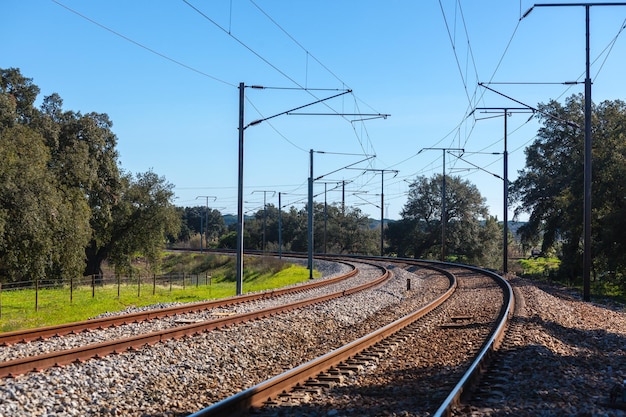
{"x": 27, "y": 335}
{"x": 243, "y": 355}
{"x": 19, "y": 366}
{"x": 295, "y": 387}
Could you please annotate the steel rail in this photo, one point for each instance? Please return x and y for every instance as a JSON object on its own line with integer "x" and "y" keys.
{"x": 239, "y": 404}
{"x": 471, "y": 376}
{"x": 27, "y": 335}
{"x": 83, "y": 353}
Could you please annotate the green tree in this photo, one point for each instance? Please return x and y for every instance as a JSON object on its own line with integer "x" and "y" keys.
{"x": 195, "y": 218}
{"x": 64, "y": 200}
{"x": 418, "y": 233}
{"x": 84, "y": 159}
{"x": 19, "y": 93}
{"x": 43, "y": 220}
{"x": 142, "y": 220}
{"x": 550, "y": 187}
{"x": 347, "y": 231}
{"x": 43, "y": 224}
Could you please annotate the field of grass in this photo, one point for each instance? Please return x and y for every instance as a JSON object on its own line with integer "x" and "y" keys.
{"x": 539, "y": 267}
{"x": 27, "y": 308}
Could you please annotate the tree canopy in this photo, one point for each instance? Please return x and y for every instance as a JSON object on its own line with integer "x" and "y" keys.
{"x": 335, "y": 230}
{"x": 469, "y": 229}
{"x": 550, "y": 187}
{"x": 65, "y": 203}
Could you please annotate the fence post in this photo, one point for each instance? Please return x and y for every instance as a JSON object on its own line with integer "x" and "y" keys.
{"x": 138, "y": 285}
{"x": 93, "y": 285}
{"x": 153, "y": 283}
{"x": 183, "y": 281}
{"x": 0, "y": 300}
{"x": 170, "y": 277}
{"x": 197, "y": 280}
{"x": 118, "y": 285}
{"x": 71, "y": 289}
{"x": 36, "y": 294}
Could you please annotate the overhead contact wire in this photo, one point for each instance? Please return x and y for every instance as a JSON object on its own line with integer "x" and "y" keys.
{"x": 126, "y": 38}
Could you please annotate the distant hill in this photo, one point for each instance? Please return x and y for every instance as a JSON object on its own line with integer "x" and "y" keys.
{"x": 230, "y": 219}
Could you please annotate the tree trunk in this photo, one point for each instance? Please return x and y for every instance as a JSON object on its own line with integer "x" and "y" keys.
{"x": 95, "y": 257}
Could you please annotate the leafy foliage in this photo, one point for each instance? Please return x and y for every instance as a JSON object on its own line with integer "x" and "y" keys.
{"x": 335, "y": 230}
{"x": 470, "y": 233}
{"x": 550, "y": 188}
{"x": 65, "y": 204}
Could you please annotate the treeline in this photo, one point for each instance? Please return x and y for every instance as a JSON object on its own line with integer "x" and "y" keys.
{"x": 66, "y": 205}
{"x": 336, "y": 230}
{"x": 551, "y": 187}
{"x": 472, "y": 235}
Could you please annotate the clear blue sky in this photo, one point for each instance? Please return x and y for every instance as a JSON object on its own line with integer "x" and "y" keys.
{"x": 167, "y": 76}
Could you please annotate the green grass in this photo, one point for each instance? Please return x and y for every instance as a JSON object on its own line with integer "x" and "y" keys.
{"x": 18, "y": 307}
{"x": 538, "y": 267}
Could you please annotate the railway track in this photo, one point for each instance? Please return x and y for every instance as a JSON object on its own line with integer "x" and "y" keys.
{"x": 40, "y": 333}
{"x": 561, "y": 357}
{"x": 314, "y": 387}
{"x": 38, "y": 362}
{"x": 179, "y": 377}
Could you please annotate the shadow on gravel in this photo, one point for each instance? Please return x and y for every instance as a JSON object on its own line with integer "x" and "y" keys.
{"x": 559, "y": 368}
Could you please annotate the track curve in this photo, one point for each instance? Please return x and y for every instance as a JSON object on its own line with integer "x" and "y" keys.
{"x": 19, "y": 366}
{"x": 329, "y": 369}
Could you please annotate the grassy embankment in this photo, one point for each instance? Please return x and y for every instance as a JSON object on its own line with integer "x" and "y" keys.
{"x": 54, "y": 306}
{"x": 544, "y": 269}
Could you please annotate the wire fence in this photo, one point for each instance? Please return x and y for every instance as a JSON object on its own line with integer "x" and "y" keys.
{"x": 144, "y": 284}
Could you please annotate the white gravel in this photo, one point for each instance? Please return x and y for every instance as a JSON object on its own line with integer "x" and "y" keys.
{"x": 561, "y": 357}
{"x": 179, "y": 377}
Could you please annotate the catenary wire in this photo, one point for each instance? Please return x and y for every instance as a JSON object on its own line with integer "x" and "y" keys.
{"x": 126, "y": 38}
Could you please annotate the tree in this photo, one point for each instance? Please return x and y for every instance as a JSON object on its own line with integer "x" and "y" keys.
{"x": 195, "y": 218}
{"x": 19, "y": 93}
{"x": 84, "y": 159}
{"x": 64, "y": 199}
{"x": 346, "y": 231}
{"x": 550, "y": 187}
{"x": 43, "y": 221}
{"x": 418, "y": 233}
{"x": 43, "y": 226}
{"x": 142, "y": 219}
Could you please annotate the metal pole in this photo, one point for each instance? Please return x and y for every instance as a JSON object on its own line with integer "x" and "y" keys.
{"x": 382, "y": 213}
{"x": 280, "y": 227}
{"x": 587, "y": 179}
{"x": 264, "y": 218}
{"x": 310, "y": 218}
{"x": 443, "y": 210}
{"x": 588, "y": 145}
{"x": 443, "y": 198}
{"x": 507, "y": 111}
{"x": 382, "y": 203}
{"x": 239, "y": 276}
{"x": 325, "y": 217}
{"x": 505, "y": 215}
{"x": 206, "y": 225}
{"x": 343, "y": 197}
{"x": 201, "y": 231}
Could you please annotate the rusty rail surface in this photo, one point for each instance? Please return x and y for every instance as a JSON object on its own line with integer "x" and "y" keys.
{"x": 240, "y": 404}
{"x": 473, "y": 373}
{"x": 59, "y": 358}
{"x": 27, "y": 335}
